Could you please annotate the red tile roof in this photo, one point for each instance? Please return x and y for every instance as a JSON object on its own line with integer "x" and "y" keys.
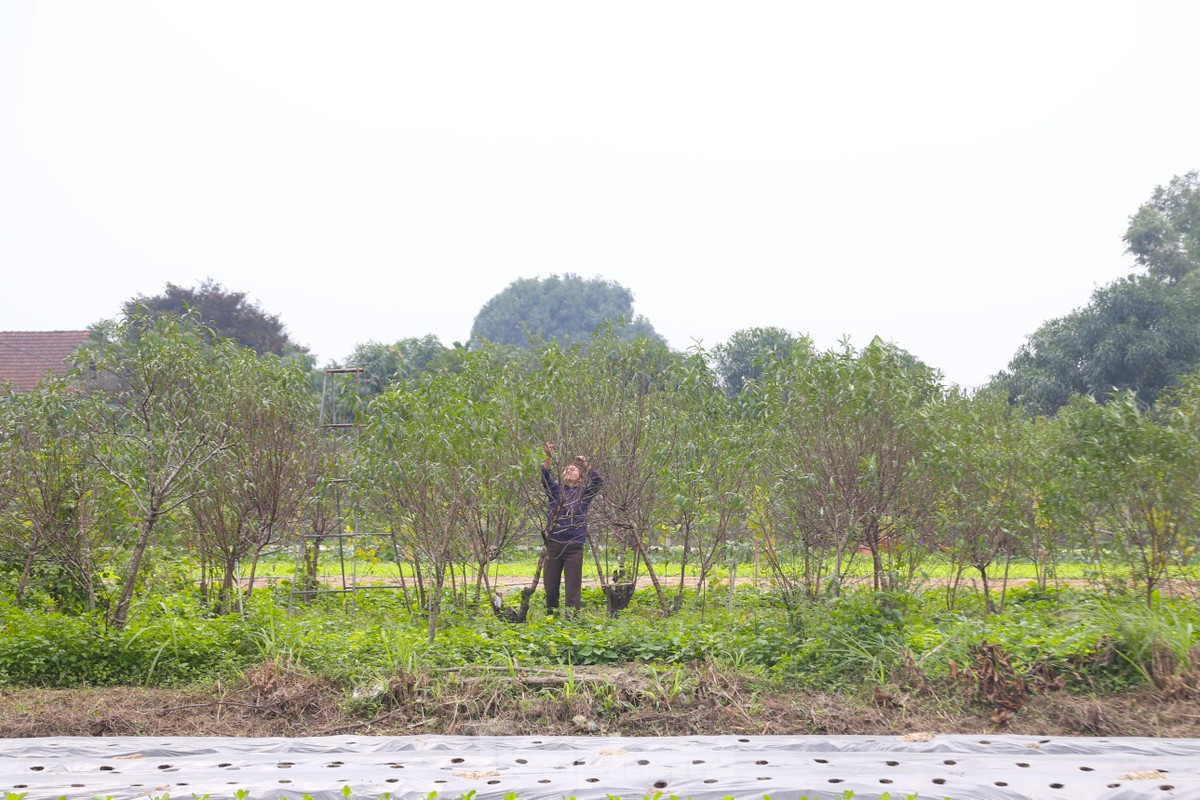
{"x": 26, "y": 356}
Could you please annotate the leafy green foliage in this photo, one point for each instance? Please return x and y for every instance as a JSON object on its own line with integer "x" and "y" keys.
{"x": 567, "y": 309}
{"x": 1138, "y": 334}
{"x": 1136, "y": 480}
{"x": 171, "y": 414}
{"x": 1164, "y": 233}
{"x": 230, "y": 314}
{"x": 746, "y": 354}
{"x": 855, "y": 640}
{"x": 405, "y": 360}
{"x": 842, "y": 475}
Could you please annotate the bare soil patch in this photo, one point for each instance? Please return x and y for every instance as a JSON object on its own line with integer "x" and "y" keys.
{"x": 617, "y": 701}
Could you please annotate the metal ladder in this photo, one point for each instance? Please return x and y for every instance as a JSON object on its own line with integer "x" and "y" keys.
{"x": 340, "y": 419}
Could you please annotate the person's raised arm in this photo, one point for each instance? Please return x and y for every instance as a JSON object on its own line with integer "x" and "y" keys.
{"x": 594, "y": 481}
{"x": 548, "y": 481}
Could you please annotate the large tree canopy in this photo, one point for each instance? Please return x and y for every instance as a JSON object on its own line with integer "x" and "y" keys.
{"x": 1164, "y": 234}
{"x": 406, "y": 360}
{"x": 564, "y": 309}
{"x": 749, "y": 351}
{"x": 1137, "y": 334}
{"x": 229, "y": 313}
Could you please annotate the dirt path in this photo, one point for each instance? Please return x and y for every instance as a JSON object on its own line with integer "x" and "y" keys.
{"x": 627, "y": 700}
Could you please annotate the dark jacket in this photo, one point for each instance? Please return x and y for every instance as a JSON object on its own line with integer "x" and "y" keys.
{"x": 567, "y": 517}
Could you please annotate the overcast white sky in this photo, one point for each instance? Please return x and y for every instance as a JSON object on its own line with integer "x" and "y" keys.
{"x": 948, "y": 175}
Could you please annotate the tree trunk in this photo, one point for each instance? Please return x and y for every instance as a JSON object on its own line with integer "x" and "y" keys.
{"x": 139, "y": 551}
{"x": 435, "y": 603}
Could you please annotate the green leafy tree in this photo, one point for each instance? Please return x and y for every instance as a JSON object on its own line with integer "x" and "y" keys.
{"x": 416, "y": 472}
{"x": 1136, "y": 472}
{"x": 846, "y": 434}
{"x": 405, "y": 360}
{"x": 171, "y": 414}
{"x": 229, "y": 313}
{"x": 1138, "y": 334}
{"x": 58, "y": 527}
{"x": 1164, "y": 233}
{"x": 711, "y": 478}
{"x": 985, "y": 481}
{"x": 744, "y": 356}
{"x": 380, "y": 363}
{"x": 566, "y": 309}
{"x": 252, "y": 493}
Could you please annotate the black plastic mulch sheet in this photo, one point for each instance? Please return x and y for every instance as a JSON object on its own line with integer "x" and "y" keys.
{"x": 781, "y": 767}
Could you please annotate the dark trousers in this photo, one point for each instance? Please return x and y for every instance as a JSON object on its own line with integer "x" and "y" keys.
{"x": 564, "y": 559}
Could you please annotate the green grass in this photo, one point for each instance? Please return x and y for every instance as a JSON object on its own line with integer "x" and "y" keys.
{"x": 861, "y": 638}
{"x": 667, "y": 566}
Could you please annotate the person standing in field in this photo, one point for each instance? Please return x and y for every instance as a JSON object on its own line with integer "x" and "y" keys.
{"x": 566, "y": 530}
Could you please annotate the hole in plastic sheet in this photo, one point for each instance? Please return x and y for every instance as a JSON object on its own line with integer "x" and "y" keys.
{"x": 821, "y": 760}
{"x": 522, "y": 761}
{"x": 392, "y": 780}
{"x": 761, "y": 762}
{"x": 439, "y": 781}
{"x": 1086, "y": 769}
{"x": 21, "y": 786}
{"x": 1022, "y": 764}
{"x": 77, "y": 785}
{"x": 939, "y": 781}
{"x": 892, "y": 763}
{"x": 281, "y": 765}
{"x": 226, "y": 764}
{"x": 710, "y": 780}
{"x": 950, "y": 762}
{"x": 1113, "y": 786}
{"x": 544, "y": 780}
{"x": 108, "y": 769}
{"x": 1043, "y": 741}
{"x": 333, "y": 765}
{"x": 763, "y": 778}
{"x": 835, "y": 780}
{"x": 284, "y": 780}
{"x": 642, "y": 762}
{"x": 1166, "y": 787}
{"x": 457, "y": 760}
{"x": 985, "y": 741}
{"x": 492, "y": 782}
{"x": 697, "y": 760}
{"x": 164, "y": 766}
{"x": 593, "y": 780}
{"x": 579, "y": 762}
{"x": 1002, "y": 783}
{"x": 660, "y": 784}
{"x": 885, "y": 780}
{"x": 536, "y": 741}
